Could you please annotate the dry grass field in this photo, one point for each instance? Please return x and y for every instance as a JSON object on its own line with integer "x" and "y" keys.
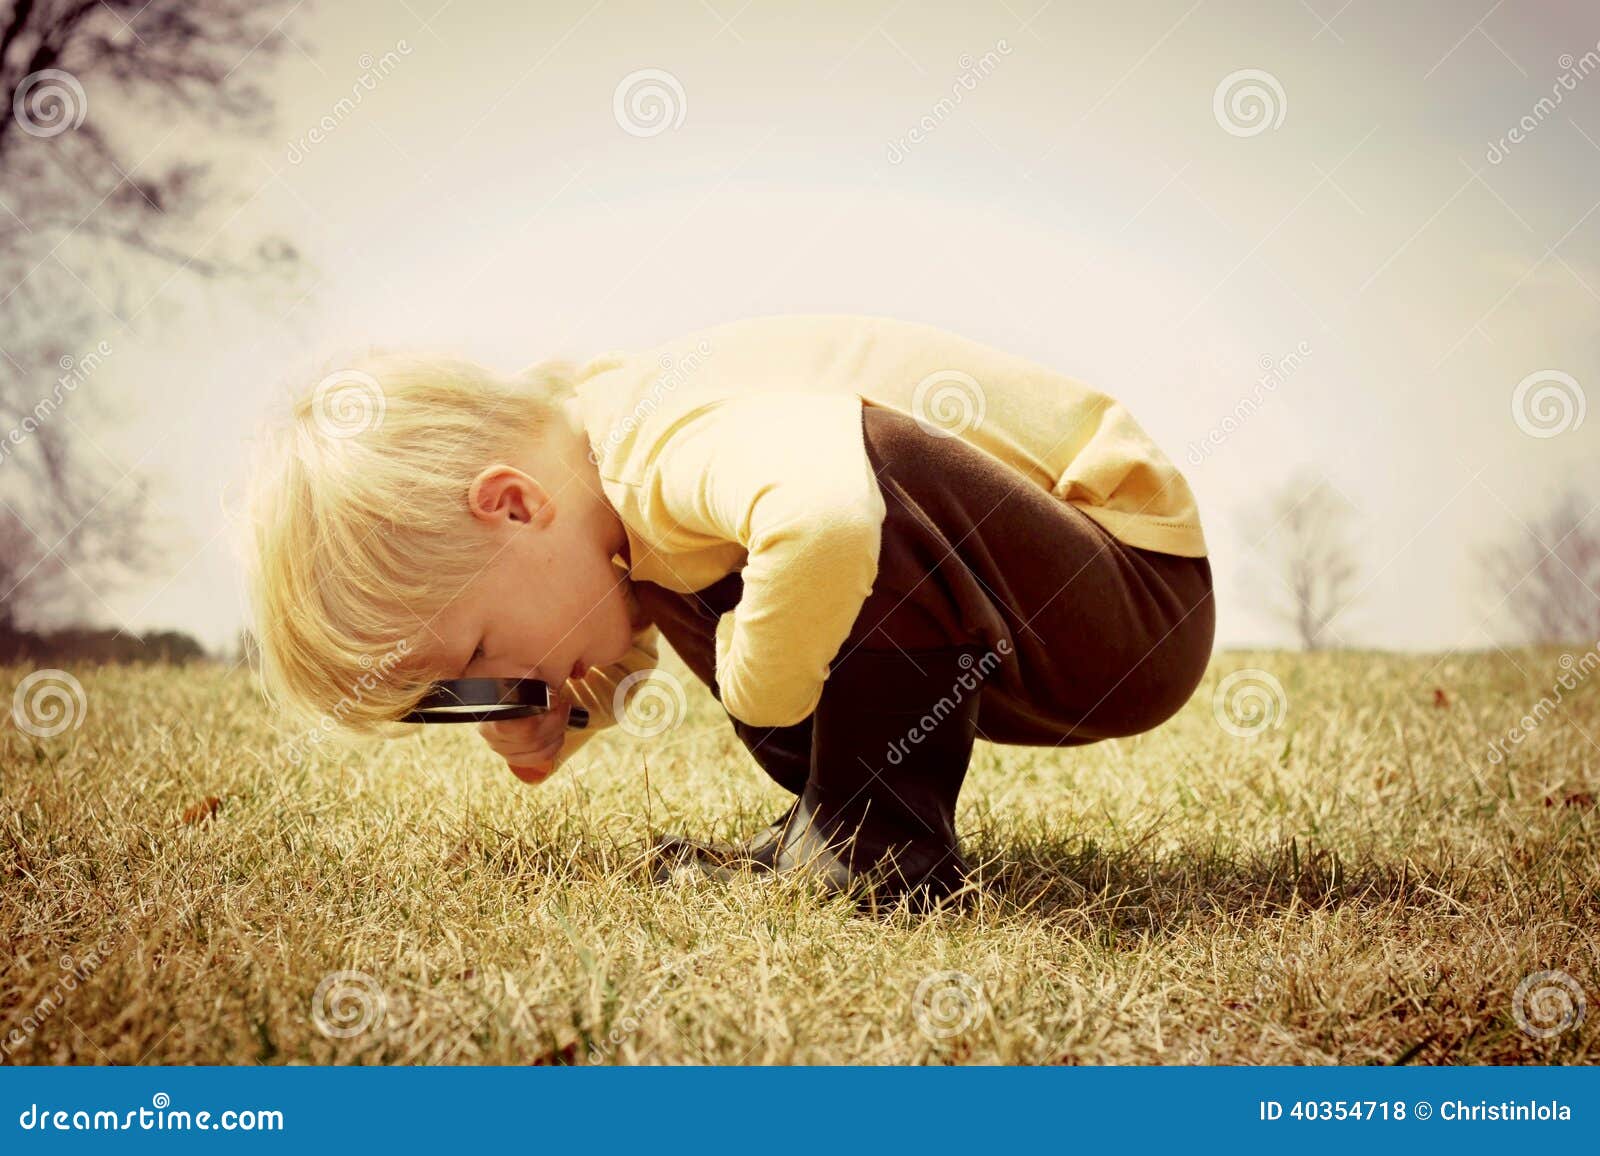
{"x": 1363, "y": 880}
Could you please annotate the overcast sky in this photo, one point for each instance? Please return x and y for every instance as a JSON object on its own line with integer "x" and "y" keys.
{"x": 1095, "y": 200}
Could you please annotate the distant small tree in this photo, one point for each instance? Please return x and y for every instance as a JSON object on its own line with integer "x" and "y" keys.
{"x": 1304, "y": 533}
{"x": 1547, "y": 574}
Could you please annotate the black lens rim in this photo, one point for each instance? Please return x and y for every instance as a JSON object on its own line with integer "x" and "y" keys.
{"x": 497, "y": 699}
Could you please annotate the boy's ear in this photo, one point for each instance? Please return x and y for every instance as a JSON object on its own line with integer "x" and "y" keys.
{"x": 503, "y": 493}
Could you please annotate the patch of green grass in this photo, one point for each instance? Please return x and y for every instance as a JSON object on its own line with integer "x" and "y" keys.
{"x": 1360, "y": 884}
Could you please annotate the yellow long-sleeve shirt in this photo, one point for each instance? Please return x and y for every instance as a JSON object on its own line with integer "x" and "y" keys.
{"x": 739, "y": 447}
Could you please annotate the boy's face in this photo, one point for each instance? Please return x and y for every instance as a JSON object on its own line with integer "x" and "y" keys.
{"x": 549, "y": 604}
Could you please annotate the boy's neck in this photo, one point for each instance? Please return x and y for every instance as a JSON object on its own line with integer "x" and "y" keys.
{"x": 570, "y": 444}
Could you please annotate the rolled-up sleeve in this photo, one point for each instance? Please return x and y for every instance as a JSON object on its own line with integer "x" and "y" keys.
{"x": 784, "y": 474}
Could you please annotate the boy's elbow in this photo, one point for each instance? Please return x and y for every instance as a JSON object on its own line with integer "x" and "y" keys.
{"x": 768, "y": 719}
{"x": 770, "y": 711}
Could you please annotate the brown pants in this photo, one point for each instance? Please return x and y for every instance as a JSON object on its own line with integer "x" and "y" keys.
{"x": 1090, "y": 638}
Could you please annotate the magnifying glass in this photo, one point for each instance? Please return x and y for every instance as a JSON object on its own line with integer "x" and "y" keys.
{"x": 464, "y": 700}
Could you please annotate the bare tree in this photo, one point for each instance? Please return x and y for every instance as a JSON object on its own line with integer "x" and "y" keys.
{"x": 1304, "y": 534}
{"x": 1548, "y": 573}
{"x": 92, "y": 90}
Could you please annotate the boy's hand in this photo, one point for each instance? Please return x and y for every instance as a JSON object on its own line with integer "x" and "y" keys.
{"x": 530, "y": 745}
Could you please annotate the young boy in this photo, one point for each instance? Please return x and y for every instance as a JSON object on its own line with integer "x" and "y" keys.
{"x": 872, "y": 539}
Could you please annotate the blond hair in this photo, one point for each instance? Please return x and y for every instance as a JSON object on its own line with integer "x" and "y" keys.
{"x": 359, "y": 520}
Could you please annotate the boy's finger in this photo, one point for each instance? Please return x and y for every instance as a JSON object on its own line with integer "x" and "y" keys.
{"x": 511, "y": 730}
{"x": 546, "y": 734}
{"x": 533, "y": 774}
{"x": 535, "y": 762}
{"x": 526, "y": 754}
{"x": 509, "y": 746}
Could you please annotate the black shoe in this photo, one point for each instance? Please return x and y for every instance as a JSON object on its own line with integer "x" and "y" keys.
{"x": 891, "y": 740}
{"x": 784, "y": 753}
{"x": 759, "y": 851}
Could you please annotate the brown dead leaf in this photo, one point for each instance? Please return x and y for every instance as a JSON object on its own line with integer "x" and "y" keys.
{"x": 564, "y": 1056}
{"x": 200, "y": 812}
{"x": 1572, "y": 799}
